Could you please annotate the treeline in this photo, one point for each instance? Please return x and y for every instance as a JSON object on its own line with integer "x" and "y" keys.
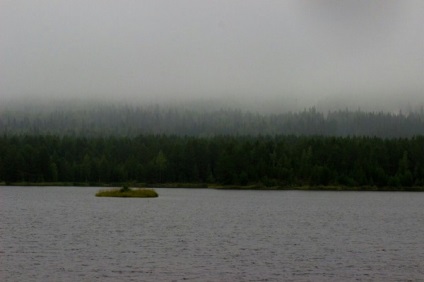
{"x": 270, "y": 161}
{"x": 132, "y": 121}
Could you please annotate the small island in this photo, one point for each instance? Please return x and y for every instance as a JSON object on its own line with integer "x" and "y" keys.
{"x": 126, "y": 192}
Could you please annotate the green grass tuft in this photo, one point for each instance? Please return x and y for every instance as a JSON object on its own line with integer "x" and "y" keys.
{"x": 128, "y": 193}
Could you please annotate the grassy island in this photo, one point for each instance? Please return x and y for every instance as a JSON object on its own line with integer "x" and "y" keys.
{"x": 126, "y": 192}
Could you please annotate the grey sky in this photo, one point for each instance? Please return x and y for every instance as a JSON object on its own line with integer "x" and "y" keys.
{"x": 308, "y": 49}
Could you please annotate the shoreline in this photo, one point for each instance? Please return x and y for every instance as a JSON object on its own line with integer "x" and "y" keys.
{"x": 257, "y": 187}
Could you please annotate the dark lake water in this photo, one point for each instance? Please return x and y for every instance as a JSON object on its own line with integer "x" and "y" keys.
{"x": 67, "y": 234}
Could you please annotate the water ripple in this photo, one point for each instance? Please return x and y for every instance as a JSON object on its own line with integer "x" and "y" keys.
{"x": 67, "y": 234}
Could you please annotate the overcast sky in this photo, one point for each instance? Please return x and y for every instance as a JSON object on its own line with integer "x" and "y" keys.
{"x": 308, "y": 49}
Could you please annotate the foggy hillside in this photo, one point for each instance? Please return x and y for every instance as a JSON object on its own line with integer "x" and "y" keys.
{"x": 201, "y": 119}
{"x": 205, "y": 68}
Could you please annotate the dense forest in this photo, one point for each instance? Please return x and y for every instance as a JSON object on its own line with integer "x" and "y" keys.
{"x": 284, "y": 161}
{"x": 104, "y": 144}
{"x": 131, "y": 121}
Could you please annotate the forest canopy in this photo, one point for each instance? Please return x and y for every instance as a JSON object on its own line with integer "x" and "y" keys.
{"x": 283, "y": 161}
{"x": 107, "y": 143}
{"x": 124, "y": 120}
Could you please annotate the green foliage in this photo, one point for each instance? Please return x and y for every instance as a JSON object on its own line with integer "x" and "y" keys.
{"x": 227, "y": 160}
{"x": 125, "y": 192}
{"x": 124, "y": 189}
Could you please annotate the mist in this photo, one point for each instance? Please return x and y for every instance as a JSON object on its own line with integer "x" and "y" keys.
{"x": 280, "y": 54}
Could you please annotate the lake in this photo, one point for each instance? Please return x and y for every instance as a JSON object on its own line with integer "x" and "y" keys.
{"x": 68, "y": 234}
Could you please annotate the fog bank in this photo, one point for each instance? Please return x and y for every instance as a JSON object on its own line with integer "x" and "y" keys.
{"x": 295, "y": 52}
